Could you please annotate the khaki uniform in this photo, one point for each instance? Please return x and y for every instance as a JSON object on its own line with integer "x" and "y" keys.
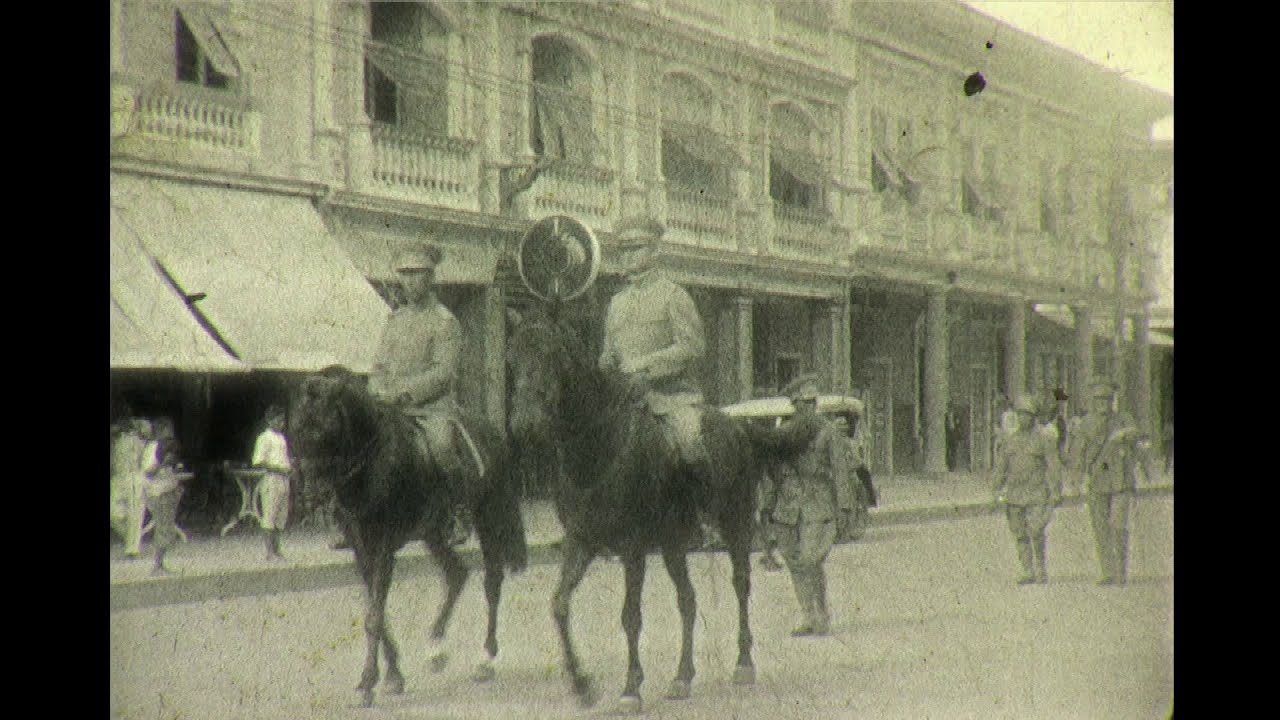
{"x": 1027, "y": 481}
{"x": 805, "y": 495}
{"x": 128, "y": 505}
{"x": 652, "y": 326}
{"x": 1104, "y": 451}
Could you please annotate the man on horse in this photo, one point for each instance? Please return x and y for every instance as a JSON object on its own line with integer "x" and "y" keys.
{"x": 417, "y": 368}
{"x": 654, "y": 336}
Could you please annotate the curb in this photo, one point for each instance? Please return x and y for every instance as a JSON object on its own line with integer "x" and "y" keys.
{"x": 269, "y": 581}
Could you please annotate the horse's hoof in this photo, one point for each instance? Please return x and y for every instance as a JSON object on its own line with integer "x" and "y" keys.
{"x": 439, "y": 661}
{"x": 484, "y": 672}
{"x": 678, "y": 690}
{"x": 630, "y": 705}
{"x": 586, "y": 691}
{"x": 744, "y": 675}
{"x": 393, "y": 685}
{"x": 364, "y": 699}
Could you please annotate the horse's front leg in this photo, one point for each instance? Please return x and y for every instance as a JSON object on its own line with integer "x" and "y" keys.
{"x": 375, "y": 566}
{"x": 634, "y": 568}
{"x": 673, "y": 556}
{"x": 455, "y": 579}
{"x": 739, "y": 543}
{"x": 493, "y": 576}
{"x": 576, "y": 558}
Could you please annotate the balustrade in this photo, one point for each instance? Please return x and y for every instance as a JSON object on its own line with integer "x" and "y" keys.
{"x": 200, "y": 121}
{"x": 584, "y": 191}
{"x": 425, "y": 168}
{"x": 700, "y": 219}
{"x": 801, "y": 233}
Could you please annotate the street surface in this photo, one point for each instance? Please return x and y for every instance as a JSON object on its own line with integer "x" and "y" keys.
{"x": 928, "y": 624}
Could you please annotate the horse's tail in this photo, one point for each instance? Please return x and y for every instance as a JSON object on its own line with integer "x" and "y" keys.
{"x": 499, "y": 523}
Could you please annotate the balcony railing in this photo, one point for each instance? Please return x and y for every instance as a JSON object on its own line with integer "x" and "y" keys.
{"x": 702, "y": 220}
{"x": 583, "y": 191}
{"x": 802, "y": 234}
{"x": 200, "y": 121}
{"x": 425, "y": 168}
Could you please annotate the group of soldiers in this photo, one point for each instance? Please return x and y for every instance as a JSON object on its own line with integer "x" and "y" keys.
{"x": 1103, "y": 451}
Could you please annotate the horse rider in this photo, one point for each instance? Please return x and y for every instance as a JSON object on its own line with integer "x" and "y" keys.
{"x": 416, "y": 370}
{"x": 654, "y": 336}
{"x": 807, "y": 499}
{"x": 1105, "y": 452}
{"x": 1028, "y": 485}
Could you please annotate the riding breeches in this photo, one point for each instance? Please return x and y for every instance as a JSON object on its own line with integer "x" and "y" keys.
{"x": 1109, "y": 515}
{"x": 682, "y": 426}
{"x": 804, "y": 547}
{"x": 1028, "y": 522}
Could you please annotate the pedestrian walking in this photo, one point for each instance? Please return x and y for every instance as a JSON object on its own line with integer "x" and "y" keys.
{"x": 271, "y": 457}
{"x": 1107, "y": 455}
{"x": 164, "y": 480}
{"x": 128, "y": 503}
{"x": 1027, "y": 485}
{"x": 806, "y": 502}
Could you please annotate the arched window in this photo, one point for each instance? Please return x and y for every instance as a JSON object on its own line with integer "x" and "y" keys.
{"x": 696, "y": 156}
{"x": 406, "y": 68}
{"x": 797, "y": 176}
{"x": 560, "y": 108}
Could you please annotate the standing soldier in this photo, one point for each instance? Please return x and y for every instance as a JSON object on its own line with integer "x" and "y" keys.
{"x": 1029, "y": 488}
{"x": 653, "y": 335}
{"x": 807, "y": 500}
{"x": 417, "y": 368}
{"x": 1104, "y": 452}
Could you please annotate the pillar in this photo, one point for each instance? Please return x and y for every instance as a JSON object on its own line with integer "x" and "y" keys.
{"x": 491, "y": 115}
{"x": 495, "y": 354}
{"x": 746, "y": 381}
{"x": 1142, "y": 370}
{"x": 839, "y": 371}
{"x": 937, "y": 390}
{"x": 1015, "y": 358}
{"x": 1084, "y": 358}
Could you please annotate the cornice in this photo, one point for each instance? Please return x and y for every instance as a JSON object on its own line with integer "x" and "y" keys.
{"x": 358, "y": 201}
{"x": 231, "y": 179}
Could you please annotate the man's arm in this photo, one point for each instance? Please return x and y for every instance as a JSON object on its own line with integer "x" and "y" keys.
{"x": 840, "y": 453}
{"x": 688, "y": 340}
{"x": 437, "y": 377}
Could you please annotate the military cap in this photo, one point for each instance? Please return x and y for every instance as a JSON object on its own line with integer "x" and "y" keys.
{"x": 1026, "y": 404}
{"x": 1103, "y": 389}
{"x": 638, "y": 230}
{"x": 275, "y": 411}
{"x": 804, "y": 387}
{"x": 426, "y": 258}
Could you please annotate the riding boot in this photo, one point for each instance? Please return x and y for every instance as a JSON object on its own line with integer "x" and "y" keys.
{"x": 1025, "y": 559}
{"x": 1038, "y": 544}
{"x": 822, "y": 618}
{"x": 804, "y": 594}
{"x": 1121, "y": 549}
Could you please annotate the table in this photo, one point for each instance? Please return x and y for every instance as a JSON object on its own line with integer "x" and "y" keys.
{"x": 247, "y": 480}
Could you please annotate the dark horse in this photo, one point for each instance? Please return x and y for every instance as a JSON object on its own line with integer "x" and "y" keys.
{"x": 619, "y": 488}
{"x": 388, "y": 494}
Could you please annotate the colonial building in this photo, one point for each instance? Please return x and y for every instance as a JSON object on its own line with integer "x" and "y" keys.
{"x": 835, "y": 201}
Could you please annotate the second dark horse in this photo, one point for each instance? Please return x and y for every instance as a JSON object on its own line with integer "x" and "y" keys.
{"x": 388, "y": 493}
{"x": 619, "y": 488}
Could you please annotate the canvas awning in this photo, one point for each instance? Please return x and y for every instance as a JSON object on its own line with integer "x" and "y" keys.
{"x": 277, "y": 287}
{"x": 210, "y": 39}
{"x": 703, "y": 143}
{"x": 375, "y": 250}
{"x": 151, "y": 325}
{"x": 806, "y": 168}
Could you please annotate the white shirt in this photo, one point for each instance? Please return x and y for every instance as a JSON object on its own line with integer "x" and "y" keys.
{"x": 271, "y": 451}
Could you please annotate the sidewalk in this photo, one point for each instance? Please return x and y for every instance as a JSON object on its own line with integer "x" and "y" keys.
{"x": 221, "y": 567}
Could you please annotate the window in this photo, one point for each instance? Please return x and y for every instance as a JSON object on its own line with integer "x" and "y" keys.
{"x": 405, "y": 68}
{"x": 695, "y": 156}
{"x": 797, "y": 177}
{"x": 561, "y": 113}
{"x": 201, "y": 55}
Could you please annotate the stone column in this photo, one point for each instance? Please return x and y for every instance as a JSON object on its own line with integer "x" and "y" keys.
{"x": 492, "y": 116}
{"x": 746, "y": 363}
{"x": 839, "y": 370}
{"x": 1142, "y": 370}
{"x": 937, "y": 383}
{"x": 495, "y": 353}
{"x": 1015, "y": 371}
{"x": 1084, "y": 358}
{"x": 633, "y": 189}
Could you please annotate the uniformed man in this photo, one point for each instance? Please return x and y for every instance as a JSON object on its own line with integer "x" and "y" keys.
{"x": 654, "y": 336}
{"x": 1104, "y": 451}
{"x": 1027, "y": 484}
{"x": 417, "y": 368}
{"x": 806, "y": 500}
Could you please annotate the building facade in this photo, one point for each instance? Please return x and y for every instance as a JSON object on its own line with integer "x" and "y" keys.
{"x": 835, "y": 201}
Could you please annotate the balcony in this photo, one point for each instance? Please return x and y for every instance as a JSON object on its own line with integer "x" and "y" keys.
{"x": 803, "y": 234}
{"x": 195, "y": 120}
{"x": 423, "y": 168}
{"x": 701, "y": 220}
{"x": 583, "y": 191}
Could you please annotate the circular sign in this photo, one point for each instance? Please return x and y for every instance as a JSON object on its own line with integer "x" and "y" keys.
{"x": 559, "y": 258}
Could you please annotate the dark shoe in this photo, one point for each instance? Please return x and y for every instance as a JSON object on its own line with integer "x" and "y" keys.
{"x": 1026, "y": 580}
{"x": 769, "y": 563}
{"x": 341, "y": 544}
{"x": 802, "y": 631}
{"x": 1107, "y": 581}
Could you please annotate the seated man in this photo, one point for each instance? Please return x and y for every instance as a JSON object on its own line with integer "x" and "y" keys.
{"x": 417, "y": 369}
{"x": 654, "y": 336}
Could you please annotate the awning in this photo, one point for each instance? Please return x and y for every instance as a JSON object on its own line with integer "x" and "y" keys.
{"x": 703, "y": 143}
{"x": 211, "y": 41}
{"x": 151, "y": 325}
{"x": 806, "y": 168}
{"x": 278, "y": 288}
{"x": 375, "y": 250}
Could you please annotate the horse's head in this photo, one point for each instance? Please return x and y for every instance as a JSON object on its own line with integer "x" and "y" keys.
{"x": 323, "y": 409}
{"x": 540, "y": 363}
